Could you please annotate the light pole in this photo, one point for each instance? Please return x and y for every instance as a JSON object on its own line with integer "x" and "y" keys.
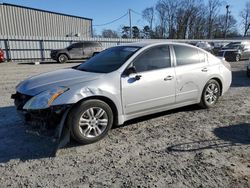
{"x": 227, "y": 16}
{"x": 130, "y": 23}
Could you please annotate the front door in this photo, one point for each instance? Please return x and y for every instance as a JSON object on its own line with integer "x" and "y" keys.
{"x": 153, "y": 84}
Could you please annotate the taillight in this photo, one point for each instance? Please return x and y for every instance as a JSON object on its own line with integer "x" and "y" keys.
{"x": 226, "y": 64}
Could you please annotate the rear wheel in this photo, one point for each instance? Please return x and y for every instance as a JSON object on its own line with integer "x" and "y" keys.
{"x": 90, "y": 121}
{"x": 210, "y": 94}
{"x": 62, "y": 58}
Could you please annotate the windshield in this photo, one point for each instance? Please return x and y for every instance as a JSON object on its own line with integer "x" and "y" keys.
{"x": 109, "y": 60}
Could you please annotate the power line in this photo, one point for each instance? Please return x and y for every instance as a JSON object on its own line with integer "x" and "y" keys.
{"x": 136, "y": 12}
{"x": 111, "y": 21}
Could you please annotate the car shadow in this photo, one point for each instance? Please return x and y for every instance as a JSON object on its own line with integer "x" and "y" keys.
{"x": 17, "y": 142}
{"x": 233, "y": 135}
{"x": 240, "y": 79}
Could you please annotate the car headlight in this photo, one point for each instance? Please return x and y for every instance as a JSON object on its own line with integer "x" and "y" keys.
{"x": 44, "y": 99}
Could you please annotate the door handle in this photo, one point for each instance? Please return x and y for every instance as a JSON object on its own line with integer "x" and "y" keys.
{"x": 204, "y": 70}
{"x": 168, "y": 78}
{"x": 137, "y": 77}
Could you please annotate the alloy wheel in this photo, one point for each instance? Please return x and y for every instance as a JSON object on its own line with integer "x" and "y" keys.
{"x": 211, "y": 94}
{"x": 93, "y": 122}
{"x": 62, "y": 58}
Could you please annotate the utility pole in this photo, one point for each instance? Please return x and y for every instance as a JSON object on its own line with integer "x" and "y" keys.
{"x": 227, "y": 16}
{"x": 130, "y": 24}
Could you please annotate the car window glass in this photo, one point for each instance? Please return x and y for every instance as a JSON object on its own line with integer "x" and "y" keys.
{"x": 109, "y": 59}
{"x": 153, "y": 59}
{"x": 90, "y": 44}
{"x": 76, "y": 45}
{"x": 186, "y": 55}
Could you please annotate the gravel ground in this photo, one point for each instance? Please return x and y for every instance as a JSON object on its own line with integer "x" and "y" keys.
{"x": 187, "y": 147}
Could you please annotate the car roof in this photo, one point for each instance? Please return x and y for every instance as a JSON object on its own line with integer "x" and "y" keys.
{"x": 144, "y": 44}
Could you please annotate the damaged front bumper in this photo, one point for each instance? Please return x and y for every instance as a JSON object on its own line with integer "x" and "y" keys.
{"x": 50, "y": 122}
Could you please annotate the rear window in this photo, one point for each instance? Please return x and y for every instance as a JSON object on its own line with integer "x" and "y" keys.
{"x": 91, "y": 44}
{"x": 186, "y": 55}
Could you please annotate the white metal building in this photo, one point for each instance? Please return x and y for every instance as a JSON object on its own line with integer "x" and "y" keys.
{"x": 18, "y": 20}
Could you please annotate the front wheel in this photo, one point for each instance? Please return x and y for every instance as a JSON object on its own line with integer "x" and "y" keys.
{"x": 62, "y": 58}
{"x": 210, "y": 94}
{"x": 90, "y": 121}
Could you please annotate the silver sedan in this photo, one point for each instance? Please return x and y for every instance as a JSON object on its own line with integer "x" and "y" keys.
{"x": 122, "y": 83}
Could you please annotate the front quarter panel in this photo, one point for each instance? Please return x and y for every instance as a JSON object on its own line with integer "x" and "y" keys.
{"x": 107, "y": 86}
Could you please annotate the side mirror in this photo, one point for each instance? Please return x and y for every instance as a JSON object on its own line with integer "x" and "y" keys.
{"x": 130, "y": 70}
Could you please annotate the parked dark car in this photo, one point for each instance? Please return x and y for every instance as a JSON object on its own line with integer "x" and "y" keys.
{"x": 79, "y": 50}
{"x": 235, "y": 51}
{"x": 248, "y": 70}
{"x": 2, "y": 58}
{"x": 217, "y": 46}
{"x": 205, "y": 46}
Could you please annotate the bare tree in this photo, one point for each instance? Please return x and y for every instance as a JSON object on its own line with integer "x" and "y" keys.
{"x": 220, "y": 26}
{"x": 213, "y": 10}
{"x": 245, "y": 15}
{"x": 193, "y": 19}
{"x": 108, "y": 33}
{"x": 198, "y": 25}
{"x": 161, "y": 13}
{"x": 171, "y": 7}
{"x": 148, "y": 15}
{"x": 186, "y": 15}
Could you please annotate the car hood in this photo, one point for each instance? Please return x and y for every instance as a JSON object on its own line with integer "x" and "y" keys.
{"x": 64, "y": 77}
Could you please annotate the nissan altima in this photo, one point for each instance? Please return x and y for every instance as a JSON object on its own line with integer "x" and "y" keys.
{"x": 122, "y": 83}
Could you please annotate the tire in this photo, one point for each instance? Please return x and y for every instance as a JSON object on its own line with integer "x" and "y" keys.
{"x": 90, "y": 121}
{"x": 210, "y": 94}
{"x": 62, "y": 58}
{"x": 237, "y": 57}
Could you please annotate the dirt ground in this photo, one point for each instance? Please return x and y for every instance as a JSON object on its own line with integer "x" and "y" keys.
{"x": 187, "y": 147}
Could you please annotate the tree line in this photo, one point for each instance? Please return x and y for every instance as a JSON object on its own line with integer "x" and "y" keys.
{"x": 187, "y": 19}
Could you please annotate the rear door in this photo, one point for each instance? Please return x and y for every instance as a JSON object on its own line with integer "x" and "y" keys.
{"x": 192, "y": 72}
{"x": 89, "y": 48}
{"x": 76, "y": 50}
{"x": 156, "y": 86}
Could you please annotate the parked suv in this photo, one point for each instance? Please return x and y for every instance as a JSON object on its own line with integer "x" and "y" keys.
{"x": 79, "y": 50}
{"x": 2, "y": 58}
{"x": 235, "y": 51}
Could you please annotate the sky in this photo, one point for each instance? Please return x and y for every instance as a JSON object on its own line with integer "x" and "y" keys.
{"x": 104, "y": 11}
